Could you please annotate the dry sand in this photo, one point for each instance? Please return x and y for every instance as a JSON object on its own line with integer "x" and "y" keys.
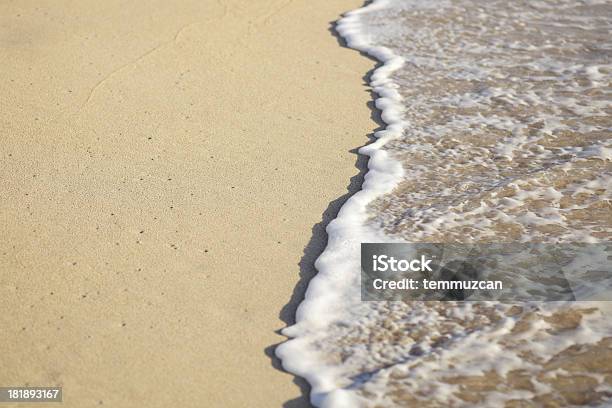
{"x": 162, "y": 166}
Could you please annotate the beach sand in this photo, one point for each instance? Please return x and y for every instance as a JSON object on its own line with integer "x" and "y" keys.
{"x": 163, "y": 165}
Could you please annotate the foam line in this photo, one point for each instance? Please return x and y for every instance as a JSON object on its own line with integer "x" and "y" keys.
{"x": 336, "y": 286}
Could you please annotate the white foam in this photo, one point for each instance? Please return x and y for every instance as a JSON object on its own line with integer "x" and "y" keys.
{"x": 335, "y": 289}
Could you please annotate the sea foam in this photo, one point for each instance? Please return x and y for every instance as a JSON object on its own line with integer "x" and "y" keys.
{"x": 335, "y": 289}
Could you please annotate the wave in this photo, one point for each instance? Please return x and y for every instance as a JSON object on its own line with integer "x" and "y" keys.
{"x": 497, "y": 129}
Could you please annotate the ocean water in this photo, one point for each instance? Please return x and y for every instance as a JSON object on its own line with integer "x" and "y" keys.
{"x": 498, "y": 129}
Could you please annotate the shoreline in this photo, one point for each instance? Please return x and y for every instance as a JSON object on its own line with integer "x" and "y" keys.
{"x": 157, "y": 220}
{"x": 346, "y": 232}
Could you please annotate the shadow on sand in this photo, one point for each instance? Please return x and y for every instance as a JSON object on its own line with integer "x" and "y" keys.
{"x": 318, "y": 240}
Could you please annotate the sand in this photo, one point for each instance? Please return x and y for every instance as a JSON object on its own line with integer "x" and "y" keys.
{"x": 162, "y": 166}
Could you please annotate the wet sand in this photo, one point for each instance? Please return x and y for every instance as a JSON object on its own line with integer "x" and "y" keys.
{"x": 162, "y": 167}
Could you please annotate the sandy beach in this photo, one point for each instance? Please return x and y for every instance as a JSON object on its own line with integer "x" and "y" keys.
{"x": 164, "y": 166}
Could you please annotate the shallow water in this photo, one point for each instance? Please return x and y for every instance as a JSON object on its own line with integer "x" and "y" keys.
{"x": 509, "y": 108}
{"x": 499, "y": 118}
